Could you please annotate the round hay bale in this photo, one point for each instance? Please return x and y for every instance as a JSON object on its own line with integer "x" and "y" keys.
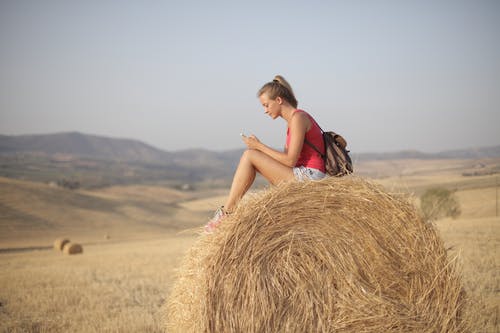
{"x": 337, "y": 255}
{"x": 59, "y": 243}
{"x": 72, "y": 248}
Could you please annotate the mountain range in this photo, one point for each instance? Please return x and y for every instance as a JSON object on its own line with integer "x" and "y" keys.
{"x": 100, "y": 147}
{"x": 111, "y": 160}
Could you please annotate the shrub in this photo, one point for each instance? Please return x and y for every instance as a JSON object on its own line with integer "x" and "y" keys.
{"x": 437, "y": 203}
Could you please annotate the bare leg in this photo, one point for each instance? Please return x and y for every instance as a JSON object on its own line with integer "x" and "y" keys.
{"x": 251, "y": 162}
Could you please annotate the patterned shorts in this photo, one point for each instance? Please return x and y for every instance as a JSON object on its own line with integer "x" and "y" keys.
{"x": 303, "y": 173}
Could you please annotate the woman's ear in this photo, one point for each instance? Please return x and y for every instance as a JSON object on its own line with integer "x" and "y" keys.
{"x": 279, "y": 100}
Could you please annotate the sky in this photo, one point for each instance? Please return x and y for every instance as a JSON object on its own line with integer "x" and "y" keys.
{"x": 387, "y": 75}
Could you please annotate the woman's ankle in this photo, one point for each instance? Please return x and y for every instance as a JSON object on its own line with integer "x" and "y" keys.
{"x": 227, "y": 209}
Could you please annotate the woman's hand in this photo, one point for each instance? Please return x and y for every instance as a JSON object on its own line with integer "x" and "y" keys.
{"x": 251, "y": 141}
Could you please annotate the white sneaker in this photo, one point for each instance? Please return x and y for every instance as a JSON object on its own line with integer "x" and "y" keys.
{"x": 215, "y": 220}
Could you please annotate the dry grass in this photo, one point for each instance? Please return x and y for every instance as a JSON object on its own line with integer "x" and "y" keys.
{"x": 34, "y": 214}
{"x": 140, "y": 192}
{"x": 115, "y": 287}
{"x": 478, "y": 202}
{"x": 120, "y": 284}
{"x": 204, "y": 204}
{"x": 119, "y": 287}
{"x": 350, "y": 258}
{"x": 477, "y": 243}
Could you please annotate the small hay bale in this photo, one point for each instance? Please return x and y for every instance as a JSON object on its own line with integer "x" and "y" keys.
{"x": 337, "y": 255}
{"x": 59, "y": 243}
{"x": 72, "y": 248}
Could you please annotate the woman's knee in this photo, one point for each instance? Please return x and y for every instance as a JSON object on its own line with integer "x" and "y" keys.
{"x": 249, "y": 155}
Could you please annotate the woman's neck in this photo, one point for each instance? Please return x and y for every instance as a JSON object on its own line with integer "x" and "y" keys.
{"x": 287, "y": 112}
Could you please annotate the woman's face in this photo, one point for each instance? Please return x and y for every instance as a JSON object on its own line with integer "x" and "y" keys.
{"x": 272, "y": 107}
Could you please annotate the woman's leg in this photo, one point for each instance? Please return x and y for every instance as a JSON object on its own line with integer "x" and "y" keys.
{"x": 253, "y": 161}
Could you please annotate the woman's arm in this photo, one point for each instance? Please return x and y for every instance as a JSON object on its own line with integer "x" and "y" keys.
{"x": 298, "y": 127}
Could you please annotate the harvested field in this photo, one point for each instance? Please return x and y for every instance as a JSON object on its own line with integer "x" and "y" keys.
{"x": 119, "y": 284}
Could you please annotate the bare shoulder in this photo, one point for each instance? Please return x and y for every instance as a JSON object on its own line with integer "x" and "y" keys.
{"x": 300, "y": 119}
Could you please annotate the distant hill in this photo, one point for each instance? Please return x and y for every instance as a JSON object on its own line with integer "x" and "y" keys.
{"x": 100, "y": 147}
{"x": 470, "y": 153}
{"x": 83, "y": 145}
{"x": 96, "y": 161}
{"x": 100, "y": 161}
{"x": 35, "y": 213}
{"x": 483, "y": 152}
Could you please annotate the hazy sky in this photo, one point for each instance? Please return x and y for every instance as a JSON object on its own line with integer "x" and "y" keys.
{"x": 388, "y": 75}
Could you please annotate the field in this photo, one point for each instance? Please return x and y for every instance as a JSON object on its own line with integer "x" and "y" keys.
{"x": 134, "y": 237}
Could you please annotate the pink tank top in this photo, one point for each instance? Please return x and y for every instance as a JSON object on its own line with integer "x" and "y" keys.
{"x": 308, "y": 156}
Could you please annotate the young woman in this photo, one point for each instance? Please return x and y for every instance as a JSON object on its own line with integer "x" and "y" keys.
{"x": 298, "y": 161}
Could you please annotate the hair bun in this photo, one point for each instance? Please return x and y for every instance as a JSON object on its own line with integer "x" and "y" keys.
{"x": 281, "y": 89}
{"x": 278, "y": 78}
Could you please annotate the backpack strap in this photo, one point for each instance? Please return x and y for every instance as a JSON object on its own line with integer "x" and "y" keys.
{"x": 323, "y": 156}
{"x": 315, "y": 148}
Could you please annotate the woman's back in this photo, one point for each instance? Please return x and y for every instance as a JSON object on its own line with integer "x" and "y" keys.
{"x": 309, "y": 157}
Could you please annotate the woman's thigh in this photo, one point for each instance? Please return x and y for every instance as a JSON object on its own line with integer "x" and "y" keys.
{"x": 272, "y": 170}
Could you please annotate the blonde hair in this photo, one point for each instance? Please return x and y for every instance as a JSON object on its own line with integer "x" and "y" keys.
{"x": 279, "y": 87}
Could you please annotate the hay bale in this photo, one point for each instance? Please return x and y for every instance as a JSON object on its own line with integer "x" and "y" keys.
{"x": 72, "y": 248}
{"x": 338, "y": 255}
{"x": 59, "y": 243}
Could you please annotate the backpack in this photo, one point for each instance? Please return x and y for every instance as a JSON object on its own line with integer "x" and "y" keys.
{"x": 337, "y": 160}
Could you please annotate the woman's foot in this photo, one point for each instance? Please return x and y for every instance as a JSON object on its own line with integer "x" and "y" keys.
{"x": 215, "y": 220}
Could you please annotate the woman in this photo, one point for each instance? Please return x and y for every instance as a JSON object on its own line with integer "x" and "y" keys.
{"x": 298, "y": 161}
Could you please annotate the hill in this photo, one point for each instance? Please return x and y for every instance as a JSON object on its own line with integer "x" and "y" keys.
{"x": 100, "y": 147}
{"x": 83, "y": 145}
{"x": 96, "y": 161}
{"x": 470, "y": 153}
{"x": 33, "y": 213}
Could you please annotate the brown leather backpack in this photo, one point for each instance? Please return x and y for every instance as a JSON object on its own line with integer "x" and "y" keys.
{"x": 337, "y": 160}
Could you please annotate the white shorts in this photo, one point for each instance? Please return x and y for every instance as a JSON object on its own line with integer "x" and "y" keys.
{"x": 302, "y": 173}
